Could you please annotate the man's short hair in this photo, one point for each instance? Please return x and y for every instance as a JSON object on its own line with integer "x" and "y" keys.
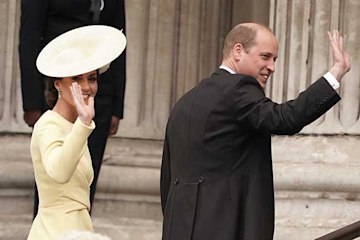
{"x": 245, "y": 34}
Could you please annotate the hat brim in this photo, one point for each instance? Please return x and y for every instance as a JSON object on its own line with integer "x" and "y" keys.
{"x": 81, "y": 50}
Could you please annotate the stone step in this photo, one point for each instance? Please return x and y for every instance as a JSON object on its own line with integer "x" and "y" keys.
{"x": 128, "y": 183}
{"x": 16, "y": 227}
{"x": 309, "y": 178}
{"x": 127, "y": 203}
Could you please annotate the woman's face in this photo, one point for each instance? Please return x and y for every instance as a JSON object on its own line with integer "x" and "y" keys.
{"x": 87, "y": 81}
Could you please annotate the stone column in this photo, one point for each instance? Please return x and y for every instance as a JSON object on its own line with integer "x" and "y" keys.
{"x": 250, "y": 11}
{"x": 171, "y": 46}
{"x": 10, "y": 91}
{"x": 315, "y": 176}
{"x": 305, "y": 55}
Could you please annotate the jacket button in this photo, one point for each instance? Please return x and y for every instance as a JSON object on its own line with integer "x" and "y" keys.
{"x": 176, "y": 181}
{"x": 201, "y": 179}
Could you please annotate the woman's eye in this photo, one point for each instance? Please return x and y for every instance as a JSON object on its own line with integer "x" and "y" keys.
{"x": 93, "y": 79}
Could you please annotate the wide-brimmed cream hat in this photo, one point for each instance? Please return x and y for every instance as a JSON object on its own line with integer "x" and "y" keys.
{"x": 81, "y": 50}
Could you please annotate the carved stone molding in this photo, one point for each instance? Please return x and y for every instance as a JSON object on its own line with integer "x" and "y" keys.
{"x": 172, "y": 46}
{"x": 304, "y": 55}
{"x": 10, "y": 93}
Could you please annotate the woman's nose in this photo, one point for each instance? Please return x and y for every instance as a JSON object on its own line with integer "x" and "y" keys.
{"x": 85, "y": 85}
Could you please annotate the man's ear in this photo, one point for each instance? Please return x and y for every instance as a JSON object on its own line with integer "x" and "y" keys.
{"x": 237, "y": 51}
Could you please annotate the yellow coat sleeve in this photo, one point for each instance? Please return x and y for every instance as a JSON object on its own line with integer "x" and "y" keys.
{"x": 61, "y": 152}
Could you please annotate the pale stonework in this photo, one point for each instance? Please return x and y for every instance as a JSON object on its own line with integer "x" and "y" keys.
{"x": 172, "y": 44}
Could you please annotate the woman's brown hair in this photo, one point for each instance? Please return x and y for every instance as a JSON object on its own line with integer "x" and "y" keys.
{"x": 51, "y": 93}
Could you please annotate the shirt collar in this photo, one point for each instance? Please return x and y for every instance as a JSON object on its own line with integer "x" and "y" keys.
{"x": 227, "y": 69}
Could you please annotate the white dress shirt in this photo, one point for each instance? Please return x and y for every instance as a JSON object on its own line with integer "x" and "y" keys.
{"x": 328, "y": 76}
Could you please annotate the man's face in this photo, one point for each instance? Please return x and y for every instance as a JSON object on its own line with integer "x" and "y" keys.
{"x": 259, "y": 60}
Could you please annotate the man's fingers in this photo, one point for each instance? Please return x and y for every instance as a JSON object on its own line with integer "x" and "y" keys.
{"x": 341, "y": 43}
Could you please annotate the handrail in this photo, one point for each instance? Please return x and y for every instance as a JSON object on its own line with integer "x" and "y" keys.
{"x": 345, "y": 233}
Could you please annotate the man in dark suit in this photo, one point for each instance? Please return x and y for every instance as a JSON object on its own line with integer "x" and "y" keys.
{"x": 43, "y": 20}
{"x": 216, "y": 174}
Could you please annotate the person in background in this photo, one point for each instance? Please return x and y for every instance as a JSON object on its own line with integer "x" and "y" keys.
{"x": 216, "y": 173}
{"x": 43, "y": 20}
{"x": 72, "y": 63}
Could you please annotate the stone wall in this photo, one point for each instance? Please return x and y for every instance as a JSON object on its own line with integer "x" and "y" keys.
{"x": 304, "y": 56}
{"x": 172, "y": 44}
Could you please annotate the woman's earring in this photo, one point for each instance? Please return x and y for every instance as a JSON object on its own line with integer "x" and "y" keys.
{"x": 59, "y": 93}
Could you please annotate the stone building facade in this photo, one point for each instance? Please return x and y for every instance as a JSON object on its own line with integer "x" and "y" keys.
{"x": 172, "y": 44}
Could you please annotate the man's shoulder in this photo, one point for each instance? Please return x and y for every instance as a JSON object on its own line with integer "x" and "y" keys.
{"x": 223, "y": 79}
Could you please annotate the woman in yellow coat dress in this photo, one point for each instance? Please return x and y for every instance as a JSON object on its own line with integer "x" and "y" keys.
{"x": 59, "y": 152}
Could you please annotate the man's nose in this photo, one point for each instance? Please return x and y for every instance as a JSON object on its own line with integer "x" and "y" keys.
{"x": 271, "y": 65}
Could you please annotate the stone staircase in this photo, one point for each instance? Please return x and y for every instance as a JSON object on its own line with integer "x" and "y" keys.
{"x": 317, "y": 187}
{"x": 127, "y": 204}
{"x": 17, "y": 226}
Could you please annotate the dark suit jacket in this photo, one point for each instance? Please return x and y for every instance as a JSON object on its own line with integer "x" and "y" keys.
{"x": 216, "y": 173}
{"x": 42, "y": 21}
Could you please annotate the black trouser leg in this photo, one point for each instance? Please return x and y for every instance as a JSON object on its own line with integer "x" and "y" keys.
{"x": 96, "y": 143}
{"x": 36, "y": 201}
{"x": 98, "y": 138}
